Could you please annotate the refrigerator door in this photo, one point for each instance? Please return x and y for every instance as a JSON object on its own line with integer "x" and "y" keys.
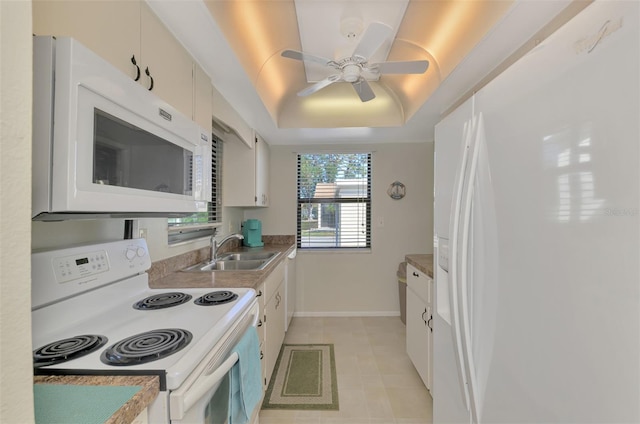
{"x": 554, "y": 229}
{"x": 451, "y": 404}
{"x": 449, "y": 140}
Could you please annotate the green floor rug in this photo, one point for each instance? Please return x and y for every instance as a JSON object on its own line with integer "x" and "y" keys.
{"x": 304, "y": 378}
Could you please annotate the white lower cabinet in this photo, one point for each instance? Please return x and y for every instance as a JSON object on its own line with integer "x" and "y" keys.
{"x": 290, "y": 288}
{"x": 261, "y": 330}
{"x": 420, "y": 323}
{"x": 273, "y": 320}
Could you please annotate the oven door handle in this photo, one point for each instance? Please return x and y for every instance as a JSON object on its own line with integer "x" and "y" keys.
{"x": 182, "y": 402}
{"x": 184, "y": 398}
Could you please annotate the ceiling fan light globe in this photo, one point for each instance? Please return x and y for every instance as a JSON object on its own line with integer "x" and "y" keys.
{"x": 351, "y": 73}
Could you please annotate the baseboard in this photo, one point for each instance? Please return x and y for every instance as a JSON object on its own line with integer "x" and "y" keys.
{"x": 347, "y": 314}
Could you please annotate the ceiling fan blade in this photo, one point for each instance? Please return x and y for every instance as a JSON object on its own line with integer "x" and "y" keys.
{"x": 373, "y": 37}
{"x": 319, "y": 85}
{"x": 404, "y": 67}
{"x": 364, "y": 90}
{"x": 293, "y": 54}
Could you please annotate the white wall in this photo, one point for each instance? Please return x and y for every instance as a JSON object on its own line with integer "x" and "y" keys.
{"x": 16, "y": 381}
{"x": 359, "y": 283}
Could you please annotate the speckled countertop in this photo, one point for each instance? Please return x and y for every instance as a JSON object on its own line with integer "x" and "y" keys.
{"x": 170, "y": 275}
{"x": 150, "y": 386}
{"x": 423, "y": 262}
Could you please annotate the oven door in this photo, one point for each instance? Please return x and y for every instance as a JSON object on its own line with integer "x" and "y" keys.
{"x": 206, "y": 394}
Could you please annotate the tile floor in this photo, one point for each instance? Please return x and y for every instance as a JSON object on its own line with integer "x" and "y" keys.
{"x": 377, "y": 382}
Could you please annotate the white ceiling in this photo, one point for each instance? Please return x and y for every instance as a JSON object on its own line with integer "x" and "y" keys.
{"x": 192, "y": 24}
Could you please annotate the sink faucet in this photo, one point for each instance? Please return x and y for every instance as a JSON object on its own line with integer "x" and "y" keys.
{"x": 216, "y": 245}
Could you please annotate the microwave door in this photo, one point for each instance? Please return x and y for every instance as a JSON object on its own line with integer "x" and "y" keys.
{"x": 114, "y": 148}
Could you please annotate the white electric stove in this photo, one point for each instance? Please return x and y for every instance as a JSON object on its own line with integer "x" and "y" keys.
{"x": 94, "y": 313}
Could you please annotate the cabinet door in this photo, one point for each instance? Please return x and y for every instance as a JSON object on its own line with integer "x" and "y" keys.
{"x": 290, "y": 288}
{"x": 109, "y": 28}
{"x": 429, "y": 316}
{"x": 202, "y": 98}
{"x": 263, "y": 156}
{"x": 261, "y": 304}
{"x": 418, "y": 334}
{"x": 239, "y": 174}
{"x": 169, "y": 64}
{"x": 275, "y": 316}
{"x": 261, "y": 326}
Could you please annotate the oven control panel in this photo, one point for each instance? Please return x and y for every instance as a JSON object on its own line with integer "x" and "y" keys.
{"x": 69, "y": 268}
{"x": 62, "y": 273}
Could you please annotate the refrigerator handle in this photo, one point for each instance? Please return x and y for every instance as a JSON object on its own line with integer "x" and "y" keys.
{"x": 453, "y": 266}
{"x": 463, "y": 287}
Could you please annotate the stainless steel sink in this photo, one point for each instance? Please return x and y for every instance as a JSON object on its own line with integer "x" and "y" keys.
{"x": 235, "y": 261}
{"x": 244, "y": 256}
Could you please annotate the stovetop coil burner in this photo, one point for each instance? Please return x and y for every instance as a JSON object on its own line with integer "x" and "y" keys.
{"x": 146, "y": 347}
{"x": 216, "y": 298}
{"x": 67, "y": 349}
{"x": 162, "y": 300}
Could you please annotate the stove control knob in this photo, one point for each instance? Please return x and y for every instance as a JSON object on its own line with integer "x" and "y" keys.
{"x": 130, "y": 254}
{"x": 141, "y": 252}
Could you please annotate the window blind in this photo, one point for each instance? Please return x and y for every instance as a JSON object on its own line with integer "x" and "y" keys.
{"x": 334, "y": 201}
{"x": 200, "y": 224}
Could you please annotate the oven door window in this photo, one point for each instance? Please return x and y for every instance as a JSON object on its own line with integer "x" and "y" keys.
{"x": 217, "y": 411}
{"x": 128, "y": 156}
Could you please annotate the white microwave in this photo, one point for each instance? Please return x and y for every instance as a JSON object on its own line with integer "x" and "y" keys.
{"x": 105, "y": 145}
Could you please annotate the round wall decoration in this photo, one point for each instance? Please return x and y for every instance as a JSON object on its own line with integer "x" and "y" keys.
{"x": 397, "y": 190}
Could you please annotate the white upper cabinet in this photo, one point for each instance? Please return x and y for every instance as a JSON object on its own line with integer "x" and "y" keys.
{"x": 263, "y": 155}
{"x": 202, "y": 97}
{"x": 246, "y": 173}
{"x": 169, "y": 64}
{"x": 110, "y": 29}
{"x": 124, "y": 32}
{"x": 228, "y": 123}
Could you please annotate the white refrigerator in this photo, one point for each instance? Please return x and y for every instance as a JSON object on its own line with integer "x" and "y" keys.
{"x": 537, "y": 225}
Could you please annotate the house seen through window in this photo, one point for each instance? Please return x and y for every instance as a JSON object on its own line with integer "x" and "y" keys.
{"x": 334, "y": 201}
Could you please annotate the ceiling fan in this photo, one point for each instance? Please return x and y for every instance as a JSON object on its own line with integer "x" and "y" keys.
{"x": 356, "y": 69}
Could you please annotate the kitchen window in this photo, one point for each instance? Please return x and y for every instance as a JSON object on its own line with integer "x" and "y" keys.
{"x": 202, "y": 224}
{"x": 334, "y": 201}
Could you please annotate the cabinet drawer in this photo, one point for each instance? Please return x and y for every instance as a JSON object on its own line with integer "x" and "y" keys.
{"x": 418, "y": 282}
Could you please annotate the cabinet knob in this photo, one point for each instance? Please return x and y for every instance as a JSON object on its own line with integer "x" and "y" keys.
{"x": 146, "y": 71}
{"x": 259, "y": 323}
{"x": 415, "y": 274}
{"x": 259, "y": 293}
{"x": 429, "y": 323}
{"x": 261, "y": 355}
{"x": 133, "y": 60}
